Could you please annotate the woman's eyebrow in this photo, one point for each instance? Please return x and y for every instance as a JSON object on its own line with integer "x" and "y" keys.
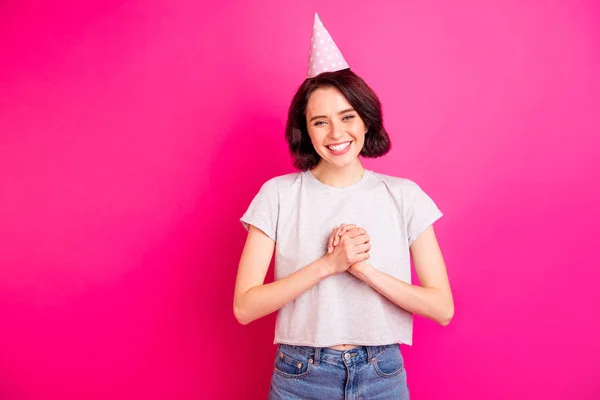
{"x": 324, "y": 116}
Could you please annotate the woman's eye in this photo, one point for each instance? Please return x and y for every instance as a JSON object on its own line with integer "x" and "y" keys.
{"x": 348, "y": 116}
{"x": 319, "y": 123}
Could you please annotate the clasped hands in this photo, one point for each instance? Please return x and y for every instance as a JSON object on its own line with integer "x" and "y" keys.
{"x": 348, "y": 248}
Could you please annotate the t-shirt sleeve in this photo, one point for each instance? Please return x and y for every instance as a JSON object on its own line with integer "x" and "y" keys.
{"x": 420, "y": 211}
{"x": 263, "y": 211}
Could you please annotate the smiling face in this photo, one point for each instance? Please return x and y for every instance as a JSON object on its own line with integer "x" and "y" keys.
{"x": 336, "y": 130}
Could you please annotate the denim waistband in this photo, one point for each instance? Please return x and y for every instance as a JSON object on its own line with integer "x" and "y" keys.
{"x": 333, "y": 356}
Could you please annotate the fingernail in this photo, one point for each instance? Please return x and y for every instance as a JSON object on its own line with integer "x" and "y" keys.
{"x": 329, "y": 249}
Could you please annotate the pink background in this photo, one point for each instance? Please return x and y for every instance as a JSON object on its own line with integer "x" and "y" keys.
{"x": 133, "y": 135}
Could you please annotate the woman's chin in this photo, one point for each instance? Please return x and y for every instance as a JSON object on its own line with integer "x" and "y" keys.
{"x": 342, "y": 162}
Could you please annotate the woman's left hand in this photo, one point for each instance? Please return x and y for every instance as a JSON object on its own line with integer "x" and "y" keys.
{"x": 334, "y": 240}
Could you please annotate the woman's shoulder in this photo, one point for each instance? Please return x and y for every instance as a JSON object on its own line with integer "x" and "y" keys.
{"x": 280, "y": 182}
{"x": 403, "y": 188}
{"x": 395, "y": 182}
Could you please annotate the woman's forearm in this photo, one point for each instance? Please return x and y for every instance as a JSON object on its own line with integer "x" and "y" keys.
{"x": 431, "y": 303}
{"x": 262, "y": 300}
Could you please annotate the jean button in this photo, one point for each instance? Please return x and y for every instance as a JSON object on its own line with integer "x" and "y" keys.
{"x": 347, "y": 356}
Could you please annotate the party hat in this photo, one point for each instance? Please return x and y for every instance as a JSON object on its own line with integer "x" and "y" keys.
{"x": 324, "y": 54}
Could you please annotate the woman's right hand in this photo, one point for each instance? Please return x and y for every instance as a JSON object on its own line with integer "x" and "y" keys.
{"x": 334, "y": 239}
{"x": 353, "y": 247}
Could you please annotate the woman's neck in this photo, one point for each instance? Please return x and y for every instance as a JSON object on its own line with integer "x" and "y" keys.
{"x": 339, "y": 177}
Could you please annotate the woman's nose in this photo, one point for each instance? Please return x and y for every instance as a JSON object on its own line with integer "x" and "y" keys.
{"x": 336, "y": 130}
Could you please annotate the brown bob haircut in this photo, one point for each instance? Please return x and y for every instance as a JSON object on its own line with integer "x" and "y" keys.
{"x": 359, "y": 95}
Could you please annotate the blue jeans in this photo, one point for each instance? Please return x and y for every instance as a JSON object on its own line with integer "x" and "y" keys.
{"x": 320, "y": 373}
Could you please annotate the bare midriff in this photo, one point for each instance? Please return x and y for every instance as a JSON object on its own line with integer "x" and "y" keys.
{"x": 344, "y": 347}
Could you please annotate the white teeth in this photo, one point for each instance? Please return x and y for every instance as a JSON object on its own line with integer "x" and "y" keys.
{"x": 339, "y": 147}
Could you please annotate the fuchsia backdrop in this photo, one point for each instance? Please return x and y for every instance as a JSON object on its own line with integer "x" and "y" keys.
{"x": 133, "y": 135}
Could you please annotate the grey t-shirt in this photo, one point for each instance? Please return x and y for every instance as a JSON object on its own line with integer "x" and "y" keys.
{"x": 299, "y": 213}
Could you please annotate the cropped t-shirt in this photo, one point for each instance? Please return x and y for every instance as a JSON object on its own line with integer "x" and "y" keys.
{"x": 299, "y": 213}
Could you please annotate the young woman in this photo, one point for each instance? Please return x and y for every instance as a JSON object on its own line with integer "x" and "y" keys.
{"x": 343, "y": 237}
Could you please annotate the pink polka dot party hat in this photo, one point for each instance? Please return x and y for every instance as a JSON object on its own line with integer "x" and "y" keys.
{"x": 324, "y": 54}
